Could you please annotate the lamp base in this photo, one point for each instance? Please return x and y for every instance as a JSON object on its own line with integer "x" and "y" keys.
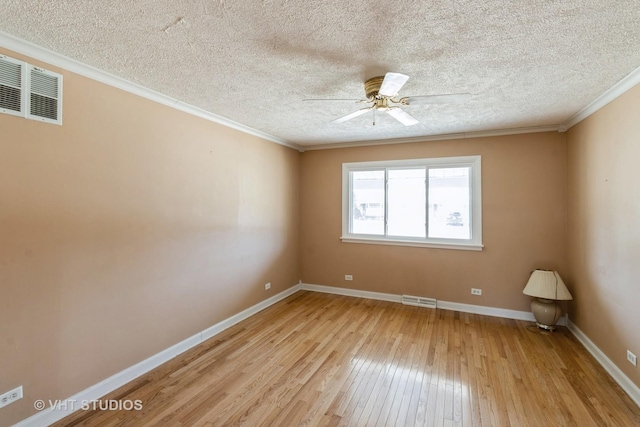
{"x": 546, "y": 312}
{"x": 550, "y": 328}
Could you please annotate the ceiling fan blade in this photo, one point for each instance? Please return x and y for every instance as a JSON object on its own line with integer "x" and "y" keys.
{"x": 453, "y": 98}
{"x": 392, "y": 84}
{"x": 402, "y": 116}
{"x": 352, "y": 115}
{"x": 329, "y": 99}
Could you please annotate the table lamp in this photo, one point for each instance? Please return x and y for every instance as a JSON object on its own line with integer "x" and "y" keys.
{"x": 548, "y": 288}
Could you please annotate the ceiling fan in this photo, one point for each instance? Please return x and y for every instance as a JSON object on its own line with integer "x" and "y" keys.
{"x": 381, "y": 93}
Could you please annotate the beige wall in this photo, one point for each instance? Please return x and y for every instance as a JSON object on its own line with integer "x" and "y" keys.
{"x": 524, "y": 221}
{"x": 134, "y": 226}
{"x": 126, "y": 230}
{"x": 604, "y": 228}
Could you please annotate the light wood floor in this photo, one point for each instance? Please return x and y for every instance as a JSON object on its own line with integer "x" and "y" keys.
{"x": 318, "y": 359}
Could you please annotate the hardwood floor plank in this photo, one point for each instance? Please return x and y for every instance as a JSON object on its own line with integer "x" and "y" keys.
{"x": 327, "y": 360}
{"x": 421, "y": 340}
{"x": 402, "y": 358}
{"x": 372, "y": 369}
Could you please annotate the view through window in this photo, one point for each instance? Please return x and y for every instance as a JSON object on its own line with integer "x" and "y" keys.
{"x": 425, "y": 200}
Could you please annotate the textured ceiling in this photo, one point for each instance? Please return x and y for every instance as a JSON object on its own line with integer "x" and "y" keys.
{"x": 529, "y": 63}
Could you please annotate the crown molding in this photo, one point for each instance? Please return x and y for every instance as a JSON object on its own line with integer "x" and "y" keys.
{"x": 40, "y": 53}
{"x": 627, "y": 82}
{"x": 443, "y": 137}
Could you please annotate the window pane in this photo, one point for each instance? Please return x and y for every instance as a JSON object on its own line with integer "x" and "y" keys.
{"x": 367, "y": 214}
{"x": 449, "y": 203}
{"x": 407, "y": 203}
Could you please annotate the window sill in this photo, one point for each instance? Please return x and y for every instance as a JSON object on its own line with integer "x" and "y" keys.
{"x": 415, "y": 243}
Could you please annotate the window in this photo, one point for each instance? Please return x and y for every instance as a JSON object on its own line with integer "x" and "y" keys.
{"x": 419, "y": 202}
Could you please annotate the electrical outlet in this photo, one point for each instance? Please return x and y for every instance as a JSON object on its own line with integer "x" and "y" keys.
{"x": 348, "y": 277}
{"x": 631, "y": 358}
{"x": 475, "y": 291}
{"x": 10, "y": 396}
{"x": 267, "y": 286}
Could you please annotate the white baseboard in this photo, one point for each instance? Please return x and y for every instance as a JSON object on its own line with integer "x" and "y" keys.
{"x": 351, "y": 292}
{"x": 487, "y": 311}
{"x": 66, "y": 407}
{"x": 237, "y": 318}
{"x": 618, "y": 376}
{"x": 445, "y": 305}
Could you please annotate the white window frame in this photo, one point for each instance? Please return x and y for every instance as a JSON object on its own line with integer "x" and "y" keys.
{"x": 473, "y": 162}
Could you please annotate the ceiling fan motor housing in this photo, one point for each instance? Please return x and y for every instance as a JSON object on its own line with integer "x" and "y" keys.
{"x": 372, "y": 86}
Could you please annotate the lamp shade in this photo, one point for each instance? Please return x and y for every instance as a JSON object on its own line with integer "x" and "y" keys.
{"x": 547, "y": 285}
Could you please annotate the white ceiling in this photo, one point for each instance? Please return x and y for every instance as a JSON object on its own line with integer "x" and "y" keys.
{"x": 530, "y": 63}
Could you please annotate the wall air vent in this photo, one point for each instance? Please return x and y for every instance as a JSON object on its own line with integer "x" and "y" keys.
{"x": 29, "y": 91}
{"x": 419, "y": 301}
{"x": 45, "y": 96}
{"x": 12, "y": 86}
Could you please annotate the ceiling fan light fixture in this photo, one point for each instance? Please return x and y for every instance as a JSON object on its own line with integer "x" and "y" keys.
{"x": 381, "y": 104}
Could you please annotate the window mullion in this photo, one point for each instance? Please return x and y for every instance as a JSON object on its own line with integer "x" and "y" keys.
{"x": 386, "y": 201}
{"x": 350, "y": 203}
{"x": 470, "y": 208}
{"x": 426, "y": 198}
